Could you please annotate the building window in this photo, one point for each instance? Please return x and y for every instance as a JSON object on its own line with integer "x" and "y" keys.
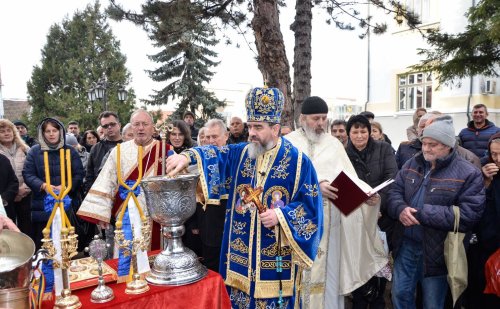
{"x": 415, "y": 90}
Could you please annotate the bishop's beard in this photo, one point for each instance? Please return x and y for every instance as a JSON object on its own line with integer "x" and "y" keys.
{"x": 257, "y": 149}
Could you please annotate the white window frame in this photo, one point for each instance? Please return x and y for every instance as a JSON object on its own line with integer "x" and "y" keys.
{"x": 414, "y": 90}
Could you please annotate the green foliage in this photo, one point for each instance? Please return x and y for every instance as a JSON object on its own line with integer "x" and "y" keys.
{"x": 185, "y": 63}
{"x": 472, "y": 52}
{"x": 78, "y": 51}
{"x": 342, "y": 13}
{"x": 184, "y": 32}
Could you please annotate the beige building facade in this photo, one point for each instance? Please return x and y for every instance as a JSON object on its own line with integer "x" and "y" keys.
{"x": 394, "y": 91}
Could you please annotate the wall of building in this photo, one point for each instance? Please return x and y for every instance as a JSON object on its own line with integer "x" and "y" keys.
{"x": 394, "y": 52}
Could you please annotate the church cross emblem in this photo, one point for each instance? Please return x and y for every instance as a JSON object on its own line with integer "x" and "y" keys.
{"x": 252, "y": 195}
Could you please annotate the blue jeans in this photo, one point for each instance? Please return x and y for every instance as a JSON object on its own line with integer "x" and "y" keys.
{"x": 408, "y": 271}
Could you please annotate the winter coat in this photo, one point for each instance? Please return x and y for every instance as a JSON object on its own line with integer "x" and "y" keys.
{"x": 34, "y": 174}
{"x": 476, "y": 140}
{"x": 407, "y": 150}
{"x": 489, "y": 229}
{"x": 17, "y": 161}
{"x": 454, "y": 181}
{"x": 374, "y": 165}
{"x": 9, "y": 184}
{"x": 84, "y": 156}
{"x": 95, "y": 161}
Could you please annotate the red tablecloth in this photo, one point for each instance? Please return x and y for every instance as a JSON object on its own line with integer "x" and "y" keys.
{"x": 209, "y": 292}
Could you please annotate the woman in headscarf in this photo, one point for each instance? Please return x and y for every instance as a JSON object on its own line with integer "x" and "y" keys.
{"x": 51, "y": 136}
{"x": 15, "y": 149}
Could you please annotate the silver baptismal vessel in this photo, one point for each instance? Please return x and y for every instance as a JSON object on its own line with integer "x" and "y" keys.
{"x": 170, "y": 202}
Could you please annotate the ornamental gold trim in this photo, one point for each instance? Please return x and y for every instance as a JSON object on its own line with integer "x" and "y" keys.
{"x": 270, "y": 289}
{"x": 238, "y": 281}
{"x": 239, "y": 245}
{"x": 297, "y": 173}
{"x": 271, "y": 264}
{"x": 238, "y": 259}
{"x": 296, "y": 248}
{"x": 272, "y": 250}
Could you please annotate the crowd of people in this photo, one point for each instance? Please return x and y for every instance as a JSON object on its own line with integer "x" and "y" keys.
{"x": 397, "y": 235}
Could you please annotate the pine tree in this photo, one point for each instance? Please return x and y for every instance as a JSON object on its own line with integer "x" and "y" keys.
{"x": 472, "y": 52}
{"x": 186, "y": 63}
{"x": 186, "y": 58}
{"x": 78, "y": 51}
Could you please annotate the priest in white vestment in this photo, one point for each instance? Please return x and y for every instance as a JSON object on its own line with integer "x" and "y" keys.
{"x": 103, "y": 200}
{"x": 351, "y": 251}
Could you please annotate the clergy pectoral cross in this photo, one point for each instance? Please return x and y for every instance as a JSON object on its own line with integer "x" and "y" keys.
{"x": 253, "y": 196}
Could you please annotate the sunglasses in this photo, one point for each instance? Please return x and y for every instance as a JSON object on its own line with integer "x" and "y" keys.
{"x": 109, "y": 125}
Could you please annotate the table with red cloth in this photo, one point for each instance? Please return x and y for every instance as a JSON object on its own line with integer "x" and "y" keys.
{"x": 210, "y": 292}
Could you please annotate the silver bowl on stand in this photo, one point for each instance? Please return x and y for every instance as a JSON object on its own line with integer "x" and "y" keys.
{"x": 170, "y": 202}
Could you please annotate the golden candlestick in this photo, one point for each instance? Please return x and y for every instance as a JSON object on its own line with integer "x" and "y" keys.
{"x": 69, "y": 239}
{"x": 131, "y": 247}
{"x": 164, "y": 128}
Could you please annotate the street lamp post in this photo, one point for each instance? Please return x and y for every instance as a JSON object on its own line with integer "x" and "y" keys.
{"x": 98, "y": 91}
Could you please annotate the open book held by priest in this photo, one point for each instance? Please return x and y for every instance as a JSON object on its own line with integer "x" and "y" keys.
{"x": 353, "y": 191}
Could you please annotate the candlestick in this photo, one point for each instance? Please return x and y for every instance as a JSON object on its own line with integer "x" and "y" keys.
{"x": 164, "y": 128}
{"x": 131, "y": 247}
{"x": 68, "y": 237}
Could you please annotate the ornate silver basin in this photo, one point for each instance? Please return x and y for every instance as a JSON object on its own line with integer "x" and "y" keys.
{"x": 170, "y": 202}
{"x": 16, "y": 255}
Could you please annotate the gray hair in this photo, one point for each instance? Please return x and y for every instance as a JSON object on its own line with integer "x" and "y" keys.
{"x": 140, "y": 110}
{"x": 126, "y": 127}
{"x": 217, "y": 122}
{"x": 200, "y": 132}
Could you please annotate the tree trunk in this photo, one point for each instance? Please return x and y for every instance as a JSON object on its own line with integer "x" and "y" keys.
{"x": 272, "y": 60}
{"x": 302, "y": 27}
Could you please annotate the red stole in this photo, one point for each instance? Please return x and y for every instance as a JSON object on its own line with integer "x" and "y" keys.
{"x": 150, "y": 160}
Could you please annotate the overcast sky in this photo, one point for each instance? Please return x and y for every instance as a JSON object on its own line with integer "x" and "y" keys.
{"x": 337, "y": 68}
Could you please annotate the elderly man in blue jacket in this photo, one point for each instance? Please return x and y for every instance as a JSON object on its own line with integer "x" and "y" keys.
{"x": 422, "y": 199}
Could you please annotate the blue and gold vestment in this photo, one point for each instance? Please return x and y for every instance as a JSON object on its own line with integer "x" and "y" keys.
{"x": 249, "y": 250}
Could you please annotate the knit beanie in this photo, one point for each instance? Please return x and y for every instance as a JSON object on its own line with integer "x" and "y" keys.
{"x": 358, "y": 119}
{"x": 71, "y": 139}
{"x": 441, "y": 130}
{"x": 314, "y": 105}
{"x": 20, "y": 123}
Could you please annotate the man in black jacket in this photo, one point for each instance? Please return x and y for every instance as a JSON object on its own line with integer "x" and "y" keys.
{"x": 8, "y": 190}
{"x": 188, "y": 118}
{"x": 237, "y": 130}
{"x": 23, "y": 131}
{"x": 111, "y": 125}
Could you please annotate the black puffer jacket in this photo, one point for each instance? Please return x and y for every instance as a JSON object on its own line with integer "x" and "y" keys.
{"x": 95, "y": 161}
{"x": 374, "y": 165}
{"x": 454, "y": 181}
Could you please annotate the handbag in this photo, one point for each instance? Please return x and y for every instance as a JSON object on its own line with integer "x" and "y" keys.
{"x": 492, "y": 273}
{"x": 455, "y": 259}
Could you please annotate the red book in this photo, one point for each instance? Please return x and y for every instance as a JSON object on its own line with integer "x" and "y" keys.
{"x": 353, "y": 192}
